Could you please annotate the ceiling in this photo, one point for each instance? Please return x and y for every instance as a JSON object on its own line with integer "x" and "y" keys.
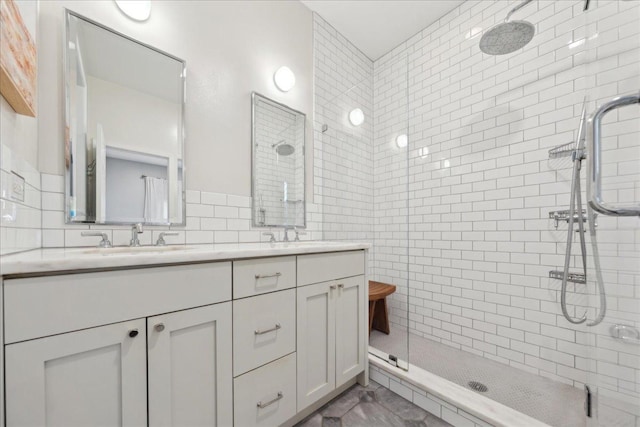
{"x": 377, "y": 26}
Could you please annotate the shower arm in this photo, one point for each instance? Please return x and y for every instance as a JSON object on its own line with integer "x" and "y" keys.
{"x": 517, "y": 8}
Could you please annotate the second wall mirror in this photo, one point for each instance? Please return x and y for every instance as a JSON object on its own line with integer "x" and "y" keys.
{"x": 278, "y": 181}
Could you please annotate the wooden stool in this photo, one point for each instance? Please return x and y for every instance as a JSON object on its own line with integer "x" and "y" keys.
{"x": 378, "y": 314}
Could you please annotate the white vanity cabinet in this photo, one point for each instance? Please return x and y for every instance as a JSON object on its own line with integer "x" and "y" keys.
{"x": 78, "y": 361}
{"x": 95, "y": 376}
{"x": 189, "y": 361}
{"x": 258, "y": 341}
{"x": 331, "y": 323}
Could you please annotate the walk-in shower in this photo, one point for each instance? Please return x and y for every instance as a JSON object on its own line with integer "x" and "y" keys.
{"x": 512, "y": 285}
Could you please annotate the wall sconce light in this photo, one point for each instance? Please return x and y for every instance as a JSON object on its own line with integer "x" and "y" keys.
{"x": 402, "y": 141}
{"x": 284, "y": 79}
{"x": 138, "y": 10}
{"x": 356, "y": 117}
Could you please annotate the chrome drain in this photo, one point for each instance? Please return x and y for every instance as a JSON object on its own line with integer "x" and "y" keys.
{"x": 476, "y": 386}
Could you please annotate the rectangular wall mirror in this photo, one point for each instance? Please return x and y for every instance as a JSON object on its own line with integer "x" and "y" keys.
{"x": 124, "y": 130}
{"x": 278, "y": 185}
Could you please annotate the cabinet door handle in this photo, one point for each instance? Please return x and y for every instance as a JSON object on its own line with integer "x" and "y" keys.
{"x": 265, "y": 331}
{"x": 332, "y": 287}
{"x": 271, "y": 402}
{"x": 159, "y": 327}
{"x": 265, "y": 276}
{"x": 341, "y": 285}
{"x": 133, "y": 333}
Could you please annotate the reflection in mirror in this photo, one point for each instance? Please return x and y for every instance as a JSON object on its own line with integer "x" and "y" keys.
{"x": 278, "y": 164}
{"x": 124, "y": 128}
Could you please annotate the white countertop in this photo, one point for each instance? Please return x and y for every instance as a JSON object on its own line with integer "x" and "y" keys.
{"x": 73, "y": 259}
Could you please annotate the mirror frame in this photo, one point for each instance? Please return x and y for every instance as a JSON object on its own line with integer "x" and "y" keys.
{"x": 65, "y": 43}
{"x": 254, "y": 221}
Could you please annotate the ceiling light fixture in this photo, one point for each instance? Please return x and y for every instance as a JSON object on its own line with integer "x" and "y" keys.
{"x": 402, "y": 141}
{"x": 284, "y": 79}
{"x": 356, "y": 117}
{"x": 138, "y": 10}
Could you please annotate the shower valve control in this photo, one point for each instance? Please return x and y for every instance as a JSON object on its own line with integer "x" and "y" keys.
{"x": 558, "y": 216}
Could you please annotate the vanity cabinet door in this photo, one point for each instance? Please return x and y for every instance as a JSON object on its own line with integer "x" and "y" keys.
{"x": 316, "y": 342}
{"x": 190, "y": 368}
{"x": 92, "y": 377}
{"x": 350, "y": 328}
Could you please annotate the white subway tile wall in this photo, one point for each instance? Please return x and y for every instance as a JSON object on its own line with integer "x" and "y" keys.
{"x": 343, "y": 156}
{"x": 481, "y": 187}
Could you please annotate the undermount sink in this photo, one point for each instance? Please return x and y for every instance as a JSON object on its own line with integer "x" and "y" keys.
{"x": 134, "y": 250}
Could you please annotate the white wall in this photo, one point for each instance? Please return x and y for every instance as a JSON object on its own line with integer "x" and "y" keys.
{"x": 231, "y": 48}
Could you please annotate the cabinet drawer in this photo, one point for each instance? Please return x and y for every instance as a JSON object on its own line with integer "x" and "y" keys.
{"x": 264, "y": 329}
{"x": 41, "y": 306}
{"x": 266, "y": 396}
{"x": 318, "y": 268}
{"x": 259, "y": 276}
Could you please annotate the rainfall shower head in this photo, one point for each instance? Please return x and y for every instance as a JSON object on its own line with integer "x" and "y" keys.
{"x": 283, "y": 149}
{"x": 508, "y": 37}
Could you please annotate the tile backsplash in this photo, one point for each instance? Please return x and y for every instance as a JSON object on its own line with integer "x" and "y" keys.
{"x": 211, "y": 218}
{"x": 20, "y": 201}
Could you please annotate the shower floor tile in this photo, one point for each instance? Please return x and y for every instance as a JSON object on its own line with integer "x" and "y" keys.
{"x": 549, "y": 401}
{"x": 372, "y": 406}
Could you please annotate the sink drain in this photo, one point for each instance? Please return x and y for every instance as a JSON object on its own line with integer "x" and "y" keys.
{"x": 476, "y": 386}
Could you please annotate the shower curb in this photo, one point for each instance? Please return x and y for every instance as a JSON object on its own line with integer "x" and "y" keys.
{"x": 453, "y": 403}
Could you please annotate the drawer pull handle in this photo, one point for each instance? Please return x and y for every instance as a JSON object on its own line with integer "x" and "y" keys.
{"x": 275, "y": 328}
{"x": 332, "y": 287}
{"x": 133, "y": 333}
{"x": 159, "y": 327}
{"x": 271, "y": 402}
{"x": 265, "y": 276}
{"x": 341, "y": 285}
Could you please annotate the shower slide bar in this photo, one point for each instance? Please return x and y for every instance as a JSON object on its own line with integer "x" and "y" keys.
{"x": 593, "y": 143}
{"x": 594, "y": 163}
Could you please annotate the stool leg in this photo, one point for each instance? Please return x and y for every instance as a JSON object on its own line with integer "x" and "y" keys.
{"x": 381, "y": 317}
{"x": 372, "y": 309}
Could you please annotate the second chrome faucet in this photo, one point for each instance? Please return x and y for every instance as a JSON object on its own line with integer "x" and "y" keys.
{"x": 135, "y": 230}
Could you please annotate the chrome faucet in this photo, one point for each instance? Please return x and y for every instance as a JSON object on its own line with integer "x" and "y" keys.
{"x": 298, "y": 234}
{"x": 135, "y": 230}
{"x": 161, "y": 241}
{"x": 105, "y": 243}
{"x": 272, "y": 237}
{"x": 286, "y": 233}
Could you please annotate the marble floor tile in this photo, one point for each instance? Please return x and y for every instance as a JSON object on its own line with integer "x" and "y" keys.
{"x": 433, "y": 421}
{"x": 399, "y": 405}
{"x": 371, "y": 406}
{"x": 331, "y": 422}
{"x": 342, "y": 404}
{"x": 367, "y": 414}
